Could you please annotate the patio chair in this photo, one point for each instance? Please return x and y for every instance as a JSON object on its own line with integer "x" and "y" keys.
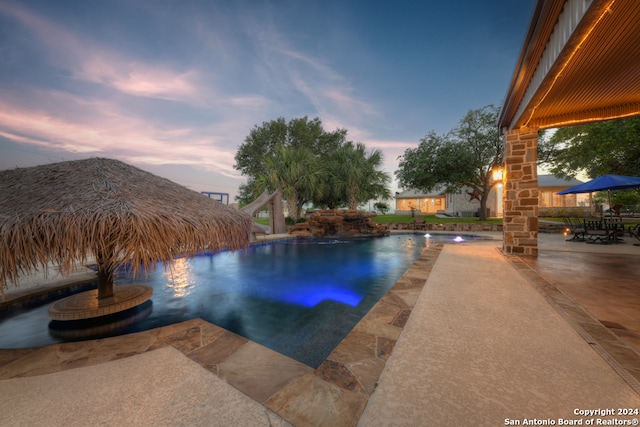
{"x": 616, "y": 229}
{"x": 594, "y": 232}
{"x": 635, "y": 232}
{"x": 603, "y": 231}
{"x": 419, "y": 223}
{"x": 575, "y": 227}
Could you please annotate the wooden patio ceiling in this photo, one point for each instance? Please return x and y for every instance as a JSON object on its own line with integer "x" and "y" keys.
{"x": 580, "y": 63}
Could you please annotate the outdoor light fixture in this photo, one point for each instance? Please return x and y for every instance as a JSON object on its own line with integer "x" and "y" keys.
{"x": 497, "y": 174}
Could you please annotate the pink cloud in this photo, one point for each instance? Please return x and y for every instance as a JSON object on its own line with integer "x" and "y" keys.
{"x": 138, "y": 79}
{"x": 108, "y": 132}
{"x": 88, "y": 60}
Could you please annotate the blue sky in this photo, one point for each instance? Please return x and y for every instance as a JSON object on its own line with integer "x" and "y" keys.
{"x": 174, "y": 87}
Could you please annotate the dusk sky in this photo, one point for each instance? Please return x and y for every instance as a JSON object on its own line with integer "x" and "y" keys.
{"x": 174, "y": 87}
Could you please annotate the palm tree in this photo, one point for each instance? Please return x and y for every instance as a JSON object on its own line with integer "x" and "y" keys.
{"x": 296, "y": 172}
{"x": 357, "y": 174}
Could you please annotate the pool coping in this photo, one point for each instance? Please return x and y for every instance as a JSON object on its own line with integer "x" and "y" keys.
{"x": 336, "y": 392}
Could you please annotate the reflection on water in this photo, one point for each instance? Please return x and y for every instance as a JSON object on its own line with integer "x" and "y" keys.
{"x": 298, "y": 297}
{"x": 178, "y": 275}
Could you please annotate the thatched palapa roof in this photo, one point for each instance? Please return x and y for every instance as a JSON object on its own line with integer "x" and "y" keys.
{"x": 65, "y": 212}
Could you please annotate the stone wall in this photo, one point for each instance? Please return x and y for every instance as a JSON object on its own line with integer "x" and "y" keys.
{"x": 337, "y": 222}
{"x": 464, "y": 226}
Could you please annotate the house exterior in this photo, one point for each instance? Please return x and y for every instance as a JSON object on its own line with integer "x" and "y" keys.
{"x": 465, "y": 204}
{"x": 549, "y": 186}
{"x": 462, "y": 203}
{"x": 421, "y": 203}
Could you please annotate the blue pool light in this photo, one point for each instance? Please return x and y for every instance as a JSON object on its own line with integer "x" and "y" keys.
{"x": 310, "y": 297}
{"x": 458, "y": 239}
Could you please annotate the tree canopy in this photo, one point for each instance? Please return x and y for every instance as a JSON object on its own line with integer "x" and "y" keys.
{"x": 608, "y": 147}
{"x": 356, "y": 176}
{"x": 309, "y": 165}
{"x": 263, "y": 142}
{"x": 294, "y": 171}
{"x": 595, "y": 149}
{"x": 464, "y": 157}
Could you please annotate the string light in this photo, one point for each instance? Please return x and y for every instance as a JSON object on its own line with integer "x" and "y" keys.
{"x": 588, "y": 120}
{"x": 607, "y": 10}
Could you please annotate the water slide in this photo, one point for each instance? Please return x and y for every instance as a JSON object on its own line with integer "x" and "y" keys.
{"x": 276, "y": 217}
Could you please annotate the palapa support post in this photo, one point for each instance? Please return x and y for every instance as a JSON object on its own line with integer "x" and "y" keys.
{"x": 105, "y": 284}
{"x": 106, "y": 287}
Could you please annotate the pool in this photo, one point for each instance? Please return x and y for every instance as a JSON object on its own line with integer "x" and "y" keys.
{"x": 299, "y": 297}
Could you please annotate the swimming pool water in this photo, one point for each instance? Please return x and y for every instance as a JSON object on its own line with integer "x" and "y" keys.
{"x": 299, "y": 297}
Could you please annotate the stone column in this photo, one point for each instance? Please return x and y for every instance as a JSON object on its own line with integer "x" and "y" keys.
{"x": 520, "y": 192}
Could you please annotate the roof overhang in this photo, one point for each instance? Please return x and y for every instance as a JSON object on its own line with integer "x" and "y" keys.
{"x": 580, "y": 63}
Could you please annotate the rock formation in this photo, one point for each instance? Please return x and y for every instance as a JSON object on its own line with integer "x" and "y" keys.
{"x": 337, "y": 222}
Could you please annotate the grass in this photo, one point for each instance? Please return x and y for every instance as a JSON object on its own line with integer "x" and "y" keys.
{"x": 408, "y": 219}
{"x": 262, "y": 221}
{"x": 550, "y": 218}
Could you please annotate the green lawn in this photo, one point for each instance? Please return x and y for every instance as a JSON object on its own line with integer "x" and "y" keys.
{"x": 408, "y": 219}
{"x": 262, "y": 221}
{"x": 393, "y": 218}
{"x": 550, "y": 218}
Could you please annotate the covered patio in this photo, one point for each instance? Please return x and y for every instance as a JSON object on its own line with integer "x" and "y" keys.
{"x": 578, "y": 64}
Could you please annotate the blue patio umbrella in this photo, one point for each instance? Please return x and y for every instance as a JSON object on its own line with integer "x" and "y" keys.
{"x": 605, "y": 182}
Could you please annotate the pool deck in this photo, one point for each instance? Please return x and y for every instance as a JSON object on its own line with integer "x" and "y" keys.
{"x": 467, "y": 336}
